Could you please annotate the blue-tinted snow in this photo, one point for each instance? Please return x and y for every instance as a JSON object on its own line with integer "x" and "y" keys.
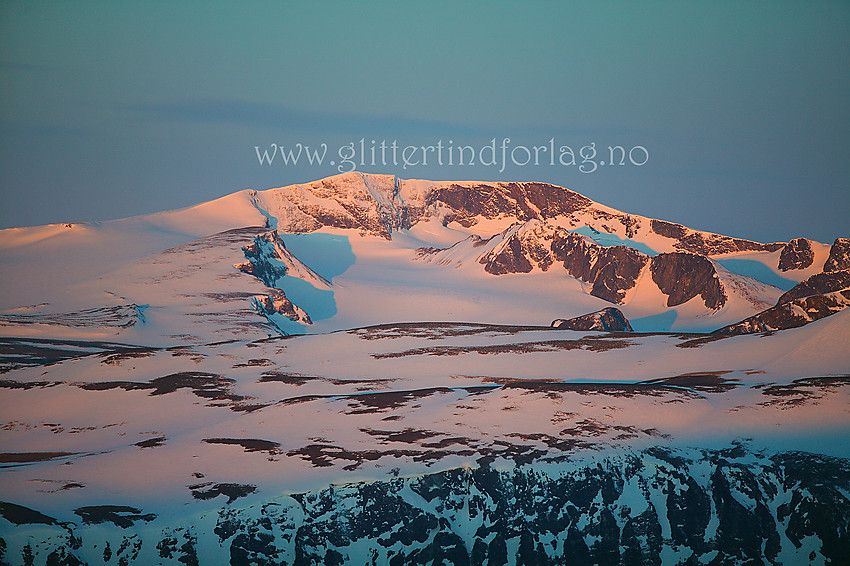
{"x": 607, "y": 240}
{"x": 328, "y": 255}
{"x": 757, "y": 270}
{"x": 662, "y": 322}
{"x": 319, "y": 303}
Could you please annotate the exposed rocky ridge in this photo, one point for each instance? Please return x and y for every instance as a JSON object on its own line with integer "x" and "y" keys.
{"x": 117, "y": 316}
{"x": 817, "y": 284}
{"x": 792, "y": 313}
{"x": 731, "y": 506}
{"x": 522, "y": 201}
{"x": 608, "y": 319}
{"x": 542, "y": 201}
{"x": 819, "y": 296}
{"x": 839, "y": 255}
{"x": 614, "y": 270}
{"x": 682, "y": 276}
{"x": 382, "y": 204}
{"x": 797, "y": 254}
{"x": 269, "y": 260}
{"x": 706, "y": 243}
{"x": 611, "y": 271}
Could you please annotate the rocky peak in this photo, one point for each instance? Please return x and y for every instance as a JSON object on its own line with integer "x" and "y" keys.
{"x": 839, "y": 255}
{"x": 382, "y": 204}
{"x": 608, "y": 319}
{"x": 797, "y": 254}
{"x": 682, "y": 276}
{"x": 269, "y": 260}
{"x": 371, "y": 203}
{"x": 522, "y": 247}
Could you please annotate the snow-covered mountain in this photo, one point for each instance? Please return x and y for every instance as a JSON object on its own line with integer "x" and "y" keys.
{"x": 370, "y": 370}
{"x": 341, "y": 252}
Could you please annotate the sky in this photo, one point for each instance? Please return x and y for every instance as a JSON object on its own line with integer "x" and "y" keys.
{"x": 737, "y": 111}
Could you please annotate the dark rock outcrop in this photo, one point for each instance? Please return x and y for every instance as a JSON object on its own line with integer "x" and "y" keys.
{"x": 526, "y": 247}
{"x": 612, "y": 271}
{"x": 276, "y": 302}
{"x": 839, "y": 255}
{"x": 20, "y": 515}
{"x": 705, "y": 243}
{"x": 819, "y": 296}
{"x": 523, "y": 201}
{"x": 608, "y": 319}
{"x": 668, "y": 229}
{"x": 117, "y": 316}
{"x": 797, "y": 254}
{"x": 511, "y": 259}
{"x": 262, "y": 261}
{"x": 791, "y": 314}
{"x": 682, "y": 276}
{"x": 817, "y": 284}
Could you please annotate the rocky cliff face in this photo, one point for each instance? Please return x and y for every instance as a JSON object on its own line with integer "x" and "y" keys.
{"x": 731, "y": 506}
{"x": 608, "y": 319}
{"x": 522, "y": 201}
{"x": 276, "y": 302}
{"x": 797, "y": 254}
{"x": 839, "y": 255}
{"x": 611, "y": 271}
{"x": 682, "y": 276}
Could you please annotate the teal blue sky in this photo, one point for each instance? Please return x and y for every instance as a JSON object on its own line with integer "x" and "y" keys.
{"x": 115, "y": 109}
